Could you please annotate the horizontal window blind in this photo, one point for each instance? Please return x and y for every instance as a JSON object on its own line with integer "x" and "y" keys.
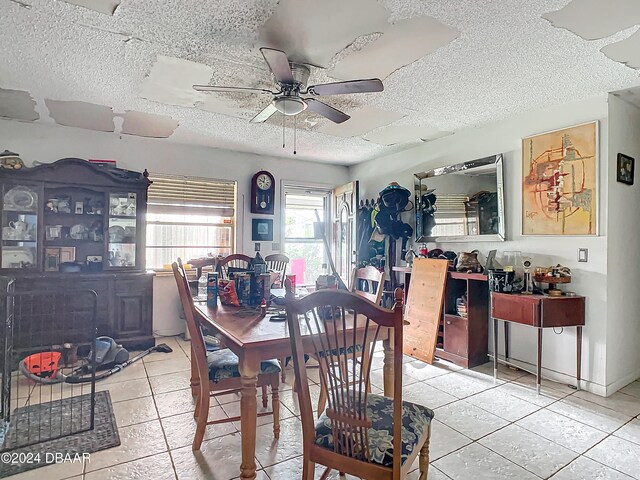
{"x": 451, "y": 205}
{"x": 181, "y": 195}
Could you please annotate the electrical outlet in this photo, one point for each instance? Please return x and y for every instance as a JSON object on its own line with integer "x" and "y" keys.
{"x": 257, "y": 246}
{"x": 583, "y": 255}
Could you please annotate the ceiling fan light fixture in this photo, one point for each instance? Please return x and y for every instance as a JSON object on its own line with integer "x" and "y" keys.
{"x": 289, "y": 105}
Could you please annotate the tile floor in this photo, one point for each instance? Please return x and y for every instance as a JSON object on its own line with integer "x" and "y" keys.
{"x": 481, "y": 430}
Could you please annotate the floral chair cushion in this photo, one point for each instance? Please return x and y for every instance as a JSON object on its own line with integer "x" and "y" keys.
{"x": 224, "y": 364}
{"x": 415, "y": 422}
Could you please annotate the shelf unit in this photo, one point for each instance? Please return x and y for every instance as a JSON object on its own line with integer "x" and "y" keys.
{"x": 464, "y": 340}
{"x": 74, "y": 212}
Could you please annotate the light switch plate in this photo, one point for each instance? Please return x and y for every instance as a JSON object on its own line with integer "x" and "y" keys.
{"x": 583, "y": 255}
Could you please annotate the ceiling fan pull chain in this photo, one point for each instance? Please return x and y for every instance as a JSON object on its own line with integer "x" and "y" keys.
{"x": 295, "y": 123}
{"x": 283, "y": 130}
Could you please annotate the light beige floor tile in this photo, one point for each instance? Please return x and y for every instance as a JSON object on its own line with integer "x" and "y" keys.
{"x": 529, "y": 394}
{"x": 458, "y": 385}
{"x": 290, "y": 399}
{"x": 180, "y": 401}
{"x": 292, "y": 469}
{"x": 468, "y": 419}
{"x": 433, "y": 473}
{"x": 620, "y": 402}
{"x": 270, "y": 451}
{"x": 590, "y": 413}
{"x": 619, "y": 454}
{"x": 504, "y": 372}
{"x": 132, "y": 372}
{"x": 479, "y": 463}
{"x": 51, "y": 393}
{"x": 52, "y": 472}
{"x": 377, "y": 379}
{"x": 126, "y": 390}
{"x": 217, "y": 459}
{"x": 137, "y": 410}
{"x": 444, "y": 440}
{"x": 562, "y": 430}
{"x": 423, "y": 371}
{"x": 532, "y": 452}
{"x": 559, "y": 389}
{"x": 21, "y": 386}
{"x": 233, "y": 410}
{"x": 167, "y": 366}
{"x": 170, "y": 382}
{"x": 632, "y": 389}
{"x": 426, "y": 395}
{"x": 584, "y": 468}
{"x": 137, "y": 441}
{"x": 631, "y": 431}
{"x": 180, "y": 429}
{"x": 502, "y": 404}
{"x": 156, "y": 467}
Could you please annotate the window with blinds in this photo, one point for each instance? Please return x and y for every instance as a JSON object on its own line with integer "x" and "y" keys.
{"x": 189, "y": 217}
{"x": 451, "y": 216}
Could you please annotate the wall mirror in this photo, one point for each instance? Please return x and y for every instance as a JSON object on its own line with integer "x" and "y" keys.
{"x": 461, "y": 202}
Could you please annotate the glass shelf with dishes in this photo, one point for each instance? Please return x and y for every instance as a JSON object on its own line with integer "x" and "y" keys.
{"x": 19, "y": 227}
{"x": 122, "y": 230}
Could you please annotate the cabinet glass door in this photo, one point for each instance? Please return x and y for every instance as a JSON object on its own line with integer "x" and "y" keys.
{"x": 19, "y": 227}
{"x": 122, "y": 230}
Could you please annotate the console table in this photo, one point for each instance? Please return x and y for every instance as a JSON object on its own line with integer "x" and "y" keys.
{"x": 539, "y": 311}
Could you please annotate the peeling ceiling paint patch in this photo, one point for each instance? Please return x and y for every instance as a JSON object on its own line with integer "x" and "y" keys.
{"x": 17, "y": 104}
{"x": 401, "y": 44}
{"x": 223, "y": 105}
{"x": 312, "y": 32}
{"x": 398, "y": 134}
{"x": 361, "y": 122}
{"x": 626, "y": 51}
{"x": 594, "y": 19}
{"x": 107, "y": 7}
{"x": 81, "y": 115}
{"x": 171, "y": 81}
{"x": 148, "y": 125}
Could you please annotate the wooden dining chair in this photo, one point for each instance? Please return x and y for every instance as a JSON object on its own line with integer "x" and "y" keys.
{"x": 368, "y": 282}
{"x": 277, "y": 262}
{"x": 220, "y": 369}
{"x": 360, "y": 433}
{"x": 235, "y": 260}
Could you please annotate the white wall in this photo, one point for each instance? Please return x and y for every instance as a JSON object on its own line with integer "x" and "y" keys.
{"x": 623, "y": 254}
{"x": 48, "y": 143}
{"x": 589, "y": 279}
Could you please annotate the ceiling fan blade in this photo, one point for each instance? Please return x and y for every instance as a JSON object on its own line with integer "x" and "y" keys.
{"x": 351, "y": 86}
{"x": 264, "y": 115}
{"x": 326, "y": 111}
{"x": 215, "y": 88}
{"x": 279, "y": 65}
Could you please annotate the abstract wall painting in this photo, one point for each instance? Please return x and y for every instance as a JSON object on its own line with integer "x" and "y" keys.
{"x": 560, "y": 179}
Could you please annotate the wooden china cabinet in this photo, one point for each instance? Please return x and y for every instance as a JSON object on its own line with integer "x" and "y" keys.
{"x": 71, "y": 226}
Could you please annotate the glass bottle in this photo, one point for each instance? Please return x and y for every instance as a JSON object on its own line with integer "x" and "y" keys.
{"x": 202, "y": 287}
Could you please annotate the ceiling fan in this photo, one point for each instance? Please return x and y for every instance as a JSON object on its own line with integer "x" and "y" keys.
{"x": 291, "y": 80}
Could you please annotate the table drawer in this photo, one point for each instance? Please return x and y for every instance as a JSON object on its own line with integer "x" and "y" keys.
{"x": 456, "y": 335}
{"x": 516, "y": 308}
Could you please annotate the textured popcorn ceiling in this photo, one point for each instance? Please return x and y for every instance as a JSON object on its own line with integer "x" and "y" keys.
{"x": 596, "y": 19}
{"x": 506, "y": 59}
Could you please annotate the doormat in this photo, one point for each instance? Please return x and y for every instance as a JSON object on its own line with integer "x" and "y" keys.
{"x": 71, "y": 448}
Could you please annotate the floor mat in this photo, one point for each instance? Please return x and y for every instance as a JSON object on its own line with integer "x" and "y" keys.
{"x": 58, "y": 415}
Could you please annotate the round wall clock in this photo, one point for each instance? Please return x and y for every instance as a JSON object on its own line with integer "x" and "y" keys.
{"x": 263, "y": 189}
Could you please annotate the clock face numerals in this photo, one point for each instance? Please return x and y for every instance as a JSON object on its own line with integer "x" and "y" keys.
{"x": 263, "y": 182}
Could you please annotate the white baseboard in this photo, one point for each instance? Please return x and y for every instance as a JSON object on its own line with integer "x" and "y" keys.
{"x": 623, "y": 382}
{"x": 563, "y": 378}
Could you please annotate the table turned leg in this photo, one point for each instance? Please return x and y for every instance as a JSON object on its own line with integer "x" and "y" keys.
{"x": 506, "y": 341}
{"x": 249, "y": 369}
{"x": 578, "y": 356}
{"x": 495, "y": 349}
{"x": 539, "y": 364}
{"x": 387, "y": 370}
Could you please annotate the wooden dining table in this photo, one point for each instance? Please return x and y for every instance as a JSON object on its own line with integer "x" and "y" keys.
{"x": 253, "y": 338}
